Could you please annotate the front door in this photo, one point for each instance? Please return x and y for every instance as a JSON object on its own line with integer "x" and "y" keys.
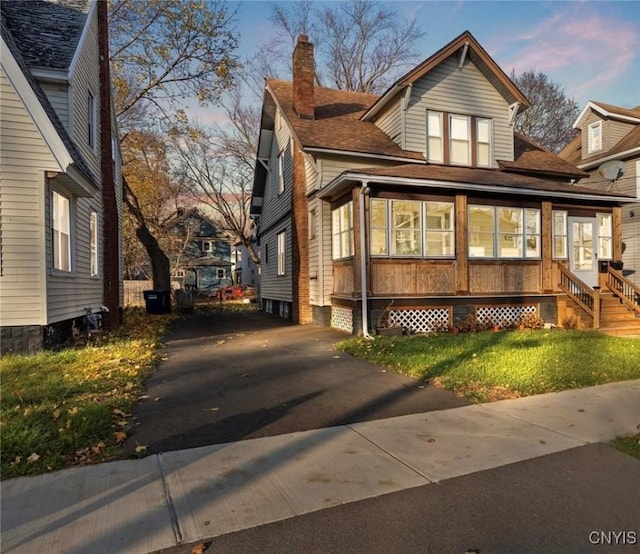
{"x": 583, "y": 249}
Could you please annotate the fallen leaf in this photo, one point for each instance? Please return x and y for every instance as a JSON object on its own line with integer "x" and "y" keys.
{"x": 141, "y": 449}
{"x": 120, "y": 436}
{"x": 129, "y": 385}
{"x": 117, "y": 412}
{"x": 198, "y": 549}
{"x": 33, "y": 458}
{"x": 56, "y": 414}
{"x": 211, "y": 409}
{"x": 17, "y": 460}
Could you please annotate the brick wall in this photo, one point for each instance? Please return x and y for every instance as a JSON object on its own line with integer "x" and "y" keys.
{"x": 301, "y": 309}
{"x": 303, "y": 78}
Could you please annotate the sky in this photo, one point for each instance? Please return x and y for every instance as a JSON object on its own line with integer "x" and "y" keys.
{"x": 590, "y": 48}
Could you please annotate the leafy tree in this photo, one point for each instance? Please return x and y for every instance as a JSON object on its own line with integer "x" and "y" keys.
{"x": 550, "y": 118}
{"x": 162, "y": 53}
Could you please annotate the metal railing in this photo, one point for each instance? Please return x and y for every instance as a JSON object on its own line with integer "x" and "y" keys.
{"x": 628, "y": 292}
{"x": 582, "y": 294}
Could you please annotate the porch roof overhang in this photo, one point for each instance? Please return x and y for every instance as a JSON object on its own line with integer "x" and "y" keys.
{"x": 475, "y": 180}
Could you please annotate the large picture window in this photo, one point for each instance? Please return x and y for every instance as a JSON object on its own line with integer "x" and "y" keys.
{"x": 412, "y": 228}
{"x": 504, "y": 232}
{"x": 61, "y": 226}
{"x": 342, "y": 231}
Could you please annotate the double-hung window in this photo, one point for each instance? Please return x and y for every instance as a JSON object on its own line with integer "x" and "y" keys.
{"x": 342, "y": 231}
{"x": 406, "y": 237}
{"x": 605, "y": 236}
{"x": 434, "y": 137}
{"x": 282, "y": 246}
{"x": 61, "y": 226}
{"x": 504, "y": 232}
{"x": 483, "y": 142}
{"x": 595, "y": 136}
{"x": 460, "y": 139}
{"x": 560, "y": 238}
{"x": 93, "y": 243}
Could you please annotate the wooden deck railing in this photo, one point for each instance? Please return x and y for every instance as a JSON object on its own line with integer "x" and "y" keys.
{"x": 628, "y": 292}
{"x": 582, "y": 294}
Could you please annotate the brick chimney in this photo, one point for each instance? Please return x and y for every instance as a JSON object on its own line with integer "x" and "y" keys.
{"x": 303, "y": 78}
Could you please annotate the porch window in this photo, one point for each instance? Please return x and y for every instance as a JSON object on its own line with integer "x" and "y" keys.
{"x": 379, "y": 228}
{"x": 61, "y": 227}
{"x": 282, "y": 248}
{"x": 483, "y": 139}
{"x": 93, "y": 241}
{"x": 342, "y": 231}
{"x": 605, "y": 236}
{"x": 405, "y": 228}
{"x": 595, "y": 136}
{"x": 434, "y": 137}
{"x": 560, "y": 235}
{"x": 459, "y": 139}
{"x": 504, "y": 232}
{"x": 439, "y": 229}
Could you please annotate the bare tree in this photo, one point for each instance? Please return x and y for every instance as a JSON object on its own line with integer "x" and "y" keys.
{"x": 550, "y": 118}
{"x": 360, "y": 45}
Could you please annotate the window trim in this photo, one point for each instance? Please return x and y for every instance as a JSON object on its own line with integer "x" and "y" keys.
{"x": 590, "y": 138}
{"x": 439, "y": 136}
{"x": 565, "y": 254}
{"x": 55, "y": 220}
{"x": 338, "y": 235}
{"x": 281, "y": 253}
{"x": 468, "y": 141}
{"x": 94, "y": 268}
{"x": 446, "y": 140}
{"x": 91, "y": 121}
{"x": 478, "y": 143}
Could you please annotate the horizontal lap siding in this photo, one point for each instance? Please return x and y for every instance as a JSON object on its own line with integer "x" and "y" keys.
{"x": 390, "y": 121}
{"x": 272, "y": 285}
{"x": 332, "y": 166}
{"x": 58, "y": 95}
{"x": 466, "y": 92}
{"x": 24, "y": 158}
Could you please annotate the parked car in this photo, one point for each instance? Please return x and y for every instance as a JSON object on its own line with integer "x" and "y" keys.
{"x": 213, "y": 288}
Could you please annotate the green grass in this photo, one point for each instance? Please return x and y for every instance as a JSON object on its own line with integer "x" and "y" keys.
{"x": 629, "y": 444}
{"x": 489, "y": 366}
{"x": 69, "y": 407}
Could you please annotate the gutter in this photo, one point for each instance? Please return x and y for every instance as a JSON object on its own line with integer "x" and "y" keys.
{"x": 364, "y": 191}
{"x": 346, "y": 177}
{"x": 616, "y": 156}
{"x": 316, "y": 150}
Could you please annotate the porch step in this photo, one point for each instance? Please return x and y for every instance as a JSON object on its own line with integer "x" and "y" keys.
{"x": 615, "y": 318}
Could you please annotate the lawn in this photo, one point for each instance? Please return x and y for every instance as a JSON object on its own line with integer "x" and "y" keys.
{"x": 487, "y": 366}
{"x": 72, "y": 407}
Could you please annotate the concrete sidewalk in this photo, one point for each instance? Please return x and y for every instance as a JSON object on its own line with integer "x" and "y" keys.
{"x": 189, "y": 495}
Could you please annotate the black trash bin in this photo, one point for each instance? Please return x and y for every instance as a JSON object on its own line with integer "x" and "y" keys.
{"x": 157, "y": 301}
{"x": 617, "y": 265}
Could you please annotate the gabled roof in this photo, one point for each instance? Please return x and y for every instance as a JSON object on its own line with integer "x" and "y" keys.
{"x": 465, "y": 45}
{"x": 47, "y": 32}
{"x": 43, "y": 113}
{"x": 609, "y": 111}
{"x": 336, "y": 124}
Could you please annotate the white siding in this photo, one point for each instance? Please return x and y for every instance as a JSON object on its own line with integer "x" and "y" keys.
{"x": 24, "y": 159}
{"x": 467, "y": 92}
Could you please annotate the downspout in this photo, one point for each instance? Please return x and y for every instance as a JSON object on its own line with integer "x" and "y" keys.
{"x": 364, "y": 191}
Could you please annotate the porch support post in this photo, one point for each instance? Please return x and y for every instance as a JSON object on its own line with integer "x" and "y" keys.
{"x": 462, "y": 246}
{"x": 617, "y": 233}
{"x": 547, "y": 248}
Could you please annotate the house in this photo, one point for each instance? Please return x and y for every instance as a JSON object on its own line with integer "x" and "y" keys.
{"x": 422, "y": 203}
{"x": 608, "y": 149}
{"x": 245, "y": 270}
{"x": 61, "y": 187}
{"x": 201, "y": 257}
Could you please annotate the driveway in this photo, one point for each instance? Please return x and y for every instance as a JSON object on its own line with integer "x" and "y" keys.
{"x": 241, "y": 375}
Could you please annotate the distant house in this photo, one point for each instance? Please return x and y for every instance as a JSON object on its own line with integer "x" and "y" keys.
{"x": 422, "y": 203}
{"x": 203, "y": 259}
{"x": 608, "y": 149}
{"x": 61, "y": 187}
{"x": 245, "y": 271}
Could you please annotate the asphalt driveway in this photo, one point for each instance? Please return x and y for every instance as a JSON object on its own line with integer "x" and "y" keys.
{"x": 245, "y": 375}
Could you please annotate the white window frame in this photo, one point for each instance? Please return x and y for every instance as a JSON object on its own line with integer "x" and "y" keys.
{"x": 91, "y": 121}
{"x": 594, "y": 143}
{"x": 489, "y": 142}
{"x": 221, "y": 273}
{"x": 406, "y": 226}
{"x": 561, "y": 253}
{"x": 313, "y": 223}
{"x": 342, "y": 231}
{"x": 281, "y": 172}
{"x": 605, "y": 235}
{"x": 93, "y": 244}
{"x": 445, "y": 235}
{"x": 61, "y": 231}
{"x": 282, "y": 248}
{"x": 466, "y": 141}
{"x": 435, "y": 155}
{"x": 638, "y": 179}
{"x": 207, "y": 246}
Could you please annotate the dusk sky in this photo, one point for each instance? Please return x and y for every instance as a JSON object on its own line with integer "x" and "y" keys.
{"x": 590, "y": 48}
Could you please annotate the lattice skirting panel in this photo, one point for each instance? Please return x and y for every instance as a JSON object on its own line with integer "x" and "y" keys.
{"x": 504, "y": 315}
{"x": 342, "y": 319}
{"x": 421, "y": 320}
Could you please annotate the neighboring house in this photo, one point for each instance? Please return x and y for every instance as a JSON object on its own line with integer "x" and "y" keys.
{"x": 203, "y": 257}
{"x": 61, "y": 188}
{"x": 608, "y": 148}
{"x": 422, "y": 200}
{"x": 245, "y": 270}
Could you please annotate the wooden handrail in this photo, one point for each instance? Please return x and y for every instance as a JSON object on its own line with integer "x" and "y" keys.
{"x": 624, "y": 289}
{"x": 581, "y": 293}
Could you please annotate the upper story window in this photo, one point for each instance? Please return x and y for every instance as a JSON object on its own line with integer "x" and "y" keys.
{"x": 91, "y": 121}
{"x": 412, "y": 228}
{"x": 342, "y": 231}
{"x": 61, "y": 228}
{"x": 595, "y": 136}
{"x": 459, "y": 139}
{"x": 504, "y": 232}
{"x": 281, "y": 172}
